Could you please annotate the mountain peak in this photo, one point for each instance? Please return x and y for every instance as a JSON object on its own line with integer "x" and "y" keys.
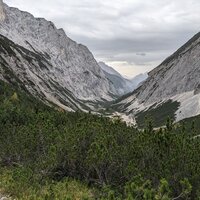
{"x": 2, "y": 13}
{"x": 59, "y": 69}
{"x": 109, "y": 69}
{"x": 123, "y": 85}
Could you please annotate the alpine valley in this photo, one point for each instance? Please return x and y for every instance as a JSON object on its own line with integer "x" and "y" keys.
{"x": 62, "y": 129}
{"x": 42, "y": 60}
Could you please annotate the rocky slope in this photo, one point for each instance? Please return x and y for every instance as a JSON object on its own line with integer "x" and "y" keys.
{"x": 177, "y": 79}
{"x": 2, "y": 14}
{"x": 121, "y": 84}
{"x": 68, "y": 67}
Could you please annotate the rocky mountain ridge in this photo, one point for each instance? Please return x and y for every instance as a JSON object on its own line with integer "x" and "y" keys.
{"x": 70, "y": 66}
{"x": 176, "y": 79}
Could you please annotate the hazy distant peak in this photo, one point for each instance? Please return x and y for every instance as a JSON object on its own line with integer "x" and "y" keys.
{"x": 109, "y": 69}
{"x": 123, "y": 85}
{"x": 140, "y": 77}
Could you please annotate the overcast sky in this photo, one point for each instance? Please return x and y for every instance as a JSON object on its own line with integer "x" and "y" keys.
{"x": 133, "y": 36}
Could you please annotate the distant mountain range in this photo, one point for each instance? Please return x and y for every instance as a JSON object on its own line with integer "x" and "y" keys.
{"x": 122, "y": 84}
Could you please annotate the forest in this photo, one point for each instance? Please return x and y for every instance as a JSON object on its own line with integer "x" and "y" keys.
{"x": 47, "y": 153}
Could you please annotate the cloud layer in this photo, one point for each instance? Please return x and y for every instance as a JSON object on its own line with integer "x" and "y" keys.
{"x": 132, "y": 35}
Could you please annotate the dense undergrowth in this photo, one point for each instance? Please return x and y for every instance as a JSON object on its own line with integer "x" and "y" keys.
{"x": 50, "y": 154}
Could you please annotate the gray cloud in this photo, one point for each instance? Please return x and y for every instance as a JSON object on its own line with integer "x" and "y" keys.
{"x": 134, "y": 36}
{"x": 141, "y": 54}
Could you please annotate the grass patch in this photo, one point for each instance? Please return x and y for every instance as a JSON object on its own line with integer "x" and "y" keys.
{"x": 21, "y": 184}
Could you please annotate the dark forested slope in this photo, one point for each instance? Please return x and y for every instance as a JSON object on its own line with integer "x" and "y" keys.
{"x": 42, "y": 148}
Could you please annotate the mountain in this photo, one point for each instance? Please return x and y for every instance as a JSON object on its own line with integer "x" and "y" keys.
{"x": 138, "y": 80}
{"x": 172, "y": 88}
{"x": 2, "y": 14}
{"x": 50, "y": 64}
{"x": 121, "y": 84}
{"x": 45, "y": 62}
{"x": 108, "y": 69}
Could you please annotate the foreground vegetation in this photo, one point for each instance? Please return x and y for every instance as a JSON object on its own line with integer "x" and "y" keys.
{"x": 49, "y": 154}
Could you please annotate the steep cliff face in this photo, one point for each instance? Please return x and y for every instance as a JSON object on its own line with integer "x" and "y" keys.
{"x": 176, "y": 79}
{"x": 71, "y": 65}
{"x": 29, "y": 70}
{"x": 177, "y": 74}
{"x": 2, "y": 14}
